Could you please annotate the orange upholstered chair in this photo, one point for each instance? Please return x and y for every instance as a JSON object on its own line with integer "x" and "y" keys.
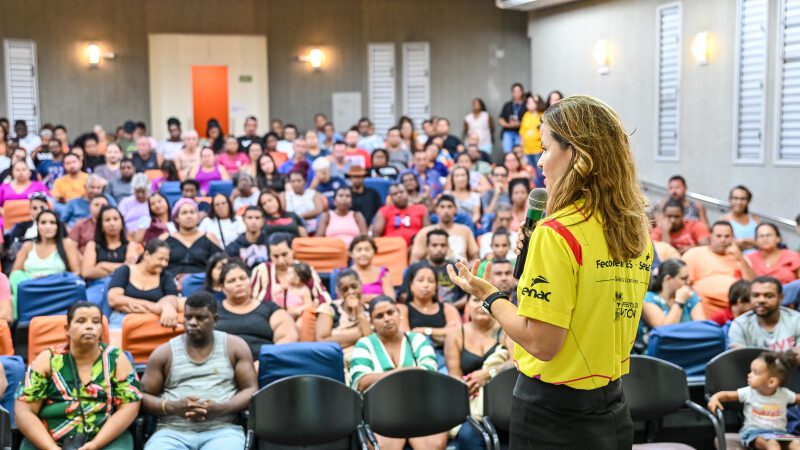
{"x": 6, "y": 345}
{"x": 392, "y": 253}
{"x": 142, "y": 333}
{"x": 322, "y": 253}
{"x": 152, "y": 174}
{"x": 14, "y": 212}
{"x": 48, "y": 331}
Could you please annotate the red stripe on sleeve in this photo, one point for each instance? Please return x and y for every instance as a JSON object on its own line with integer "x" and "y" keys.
{"x": 573, "y": 243}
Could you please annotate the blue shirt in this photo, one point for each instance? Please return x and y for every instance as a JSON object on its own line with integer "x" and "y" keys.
{"x": 50, "y": 171}
{"x": 78, "y": 208}
{"x": 686, "y": 314}
{"x": 431, "y": 179}
{"x": 328, "y": 189}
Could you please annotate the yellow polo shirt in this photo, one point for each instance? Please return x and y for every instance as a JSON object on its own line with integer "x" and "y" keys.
{"x": 571, "y": 281}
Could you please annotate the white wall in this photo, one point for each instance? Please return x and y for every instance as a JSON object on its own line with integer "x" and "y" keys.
{"x": 562, "y": 40}
{"x": 171, "y": 59}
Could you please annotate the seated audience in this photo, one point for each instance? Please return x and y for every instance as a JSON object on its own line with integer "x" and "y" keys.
{"x": 768, "y": 325}
{"x": 344, "y": 320}
{"x": 366, "y": 200}
{"x": 475, "y": 356}
{"x": 208, "y": 170}
{"x": 83, "y": 231}
{"x": 499, "y": 248}
{"x": 427, "y": 313}
{"x": 246, "y": 194}
{"x": 516, "y": 167}
{"x": 144, "y": 287}
{"x": 222, "y": 220}
{"x": 398, "y": 153}
{"x": 680, "y": 233}
{"x": 24, "y": 231}
{"x": 676, "y": 187}
{"x": 374, "y": 280}
{"x": 267, "y": 175}
{"x": 49, "y": 254}
{"x": 198, "y": 383}
{"x": 400, "y": 218}
{"x": 109, "y": 250}
{"x": 159, "y": 222}
{"x": 669, "y": 298}
{"x": 212, "y": 282}
{"x": 231, "y": 158}
{"x": 108, "y": 390}
{"x": 342, "y": 221}
{"x": 258, "y": 323}
{"x": 417, "y": 194}
{"x": 468, "y": 202}
{"x": 251, "y": 246}
{"x": 21, "y": 187}
{"x": 168, "y": 173}
{"x": 122, "y": 186}
{"x": 338, "y": 158}
{"x": 190, "y": 189}
{"x": 713, "y": 268}
{"x": 461, "y": 241}
{"x": 497, "y": 195}
{"x": 146, "y": 158}
{"x": 188, "y": 158}
{"x": 386, "y": 351}
{"x": 381, "y": 167}
{"x": 297, "y": 157}
{"x": 477, "y": 181}
{"x": 501, "y": 276}
{"x": 770, "y": 259}
{"x": 313, "y": 150}
{"x": 73, "y": 183}
{"x": 738, "y": 303}
{"x": 743, "y": 223}
{"x": 110, "y": 171}
{"x": 270, "y": 280}
{"x": 305, "y": 202}
{"x": 437, "y": 249}
{"x": 426, "y": 173}
{"x": 135, "y": 207}
{"x": 325, "y": 184}
{"x": 189, "y": 248}
{"x": 6, "y": 310}
{"x": 502, "y": 220}
{"x": 519, "y": 190}
{"x": 297, "y": 298}
{"x": 278, "y": 220}
{"x": 78, "y": 208}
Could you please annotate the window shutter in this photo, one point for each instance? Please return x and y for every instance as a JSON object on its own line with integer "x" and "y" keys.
{"x": 751, "y": 54}
{"x": 668, "y": 29}
{"x": 382, "y": 86}
{"x": 22, "y": 89}
{"x": 789, "y": 83}
{"x": 416, "y": 81}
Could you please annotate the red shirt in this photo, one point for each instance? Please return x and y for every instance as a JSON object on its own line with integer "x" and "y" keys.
{"x": 358, "y": 157}
{"x": 785, "y": 269}
{"x": 687, "y": 237}
{"x": 405, "y": 222}
{"x": 722, "y": 317}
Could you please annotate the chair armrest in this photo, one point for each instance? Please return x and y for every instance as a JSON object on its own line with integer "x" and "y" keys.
{"x": 719, "y": 429}
{"x": 489, "y": 427}
{"x": 486, "y": 438}
{"x": 248, "y": 439}
{"x": 371, "y": 436}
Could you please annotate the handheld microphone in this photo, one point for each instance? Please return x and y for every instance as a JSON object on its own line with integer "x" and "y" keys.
{"x": 537, "y": 200}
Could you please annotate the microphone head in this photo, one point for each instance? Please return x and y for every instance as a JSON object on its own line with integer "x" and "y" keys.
{"x": 537, "y": 199}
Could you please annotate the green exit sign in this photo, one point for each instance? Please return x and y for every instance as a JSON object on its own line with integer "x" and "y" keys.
{"x": 245, "y": 78}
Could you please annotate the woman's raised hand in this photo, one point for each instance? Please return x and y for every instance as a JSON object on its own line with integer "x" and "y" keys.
{"x": 469, "y": 281}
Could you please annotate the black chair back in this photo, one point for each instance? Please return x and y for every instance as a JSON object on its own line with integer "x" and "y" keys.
{"x": 413, "y": 403}
{"x": 305, "y": 410}
{"x": 5, "y": 429}
{"x": 654, "y": 388}
{"x": 498, "y": 394}
{"x": 728, "y": 371}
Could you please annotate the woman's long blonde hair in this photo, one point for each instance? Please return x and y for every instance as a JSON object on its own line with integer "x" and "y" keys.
{"x": 602, "y": 172}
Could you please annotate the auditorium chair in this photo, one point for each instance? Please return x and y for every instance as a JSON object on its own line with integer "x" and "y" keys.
{"x": 152, "y": 174}
{"x": 143, "y": 333}
{"x": 224, "y": 187}
{"x": 48, "y": 331}
{"x": 6, "y": 343}
{"x": 305, "y": 411}
{"x": 14, "y": 367}
{"x": 393, "y": 254}
{"x": 415, "y": 403}
{"x": 171, "y": 190}
{"x": 498, "y": 394}
{"x": 690, "y": 345}
{"x": 655, "y": 388}
{"x": 276, "y": 362}
{"x": 14, "y": 212}
{"x": 192, "y": 283}
{"x": 322, "y": 253}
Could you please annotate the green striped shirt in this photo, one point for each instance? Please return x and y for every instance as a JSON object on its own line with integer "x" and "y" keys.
{"x": 370, "y": 356}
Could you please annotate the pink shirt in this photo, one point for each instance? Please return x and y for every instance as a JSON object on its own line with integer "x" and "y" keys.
{"x": 8, "y": 193}
{"x": 785, "y": 270}
{"x": 233, "y": 163}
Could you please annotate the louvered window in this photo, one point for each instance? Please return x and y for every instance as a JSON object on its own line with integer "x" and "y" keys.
{"x": 751, "y": 71}
{"x": 668, "y": 29}
{"x": 788, "y": 123}
{"x": 22, "y": 90}
{"x": 382, "y": 86}
{"x": 416, "y": 81}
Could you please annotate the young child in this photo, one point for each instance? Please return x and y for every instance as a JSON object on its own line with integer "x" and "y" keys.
{"x": 765, "y": 400}
{"x": 298, "y": 295}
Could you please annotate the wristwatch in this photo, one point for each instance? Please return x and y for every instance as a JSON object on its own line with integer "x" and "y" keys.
{"x": 428, "y": 331}
{"x": 487, "y": 303}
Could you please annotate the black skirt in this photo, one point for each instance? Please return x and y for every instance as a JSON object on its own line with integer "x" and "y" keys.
{"x": 547, "y": 416}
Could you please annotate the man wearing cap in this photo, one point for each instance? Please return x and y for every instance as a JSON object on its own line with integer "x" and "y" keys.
{"x": 126, "y": 142}
{"x": 366, "y": 200}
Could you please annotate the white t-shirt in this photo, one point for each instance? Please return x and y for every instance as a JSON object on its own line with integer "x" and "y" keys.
{"x": 231, "y": 229}
{"x": 765, "y": 412}
{"x": 30, "y": 143}
{"x": 480, "y": 126}
{"x": 746, "y": 332}
{"x": 168, "y": 149}
{"x": 485, "y": 246}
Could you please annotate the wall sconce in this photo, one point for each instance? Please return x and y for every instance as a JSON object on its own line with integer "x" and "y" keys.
{"x": 700, "y": 48}
{"x": 313, "y": 58}
{"x": 600, "y": 55}
{"x": 93, "y": 55}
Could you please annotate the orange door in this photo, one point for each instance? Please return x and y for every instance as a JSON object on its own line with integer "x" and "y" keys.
{"x": 210, "y": 97}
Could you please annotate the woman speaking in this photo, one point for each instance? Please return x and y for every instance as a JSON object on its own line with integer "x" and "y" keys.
{"x": 584, "y": 280}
